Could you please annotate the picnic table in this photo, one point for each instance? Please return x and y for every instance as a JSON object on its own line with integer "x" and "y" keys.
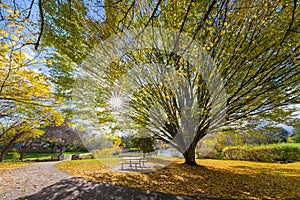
{"x": 136, "y": 162}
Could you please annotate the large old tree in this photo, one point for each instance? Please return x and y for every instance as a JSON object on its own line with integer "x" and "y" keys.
{"x": 254, "y": 46}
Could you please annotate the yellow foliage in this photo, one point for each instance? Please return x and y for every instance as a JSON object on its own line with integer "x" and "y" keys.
{"x": 36, "y": 133}
{"x": 57, "y": 118}
{"x": 117, "y": 142}
{"x": 4, "y": 5}
{"x": 27, "y": 97}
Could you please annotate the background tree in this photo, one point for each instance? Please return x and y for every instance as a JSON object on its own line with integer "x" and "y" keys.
{"x": 275, "y": 135}
{"x": 62, "y": 136}
{"x": 296, "y": 135}
{"x": 126, "y": 142}
{"x": 143, "y": 141}
{"x": 144, "y": 144}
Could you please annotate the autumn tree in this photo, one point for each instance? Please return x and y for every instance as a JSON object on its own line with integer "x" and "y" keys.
{"x": 27, "y": 100}
{"x": 253, "y": 45}
{"x": 68, "y": 32}
{"x": 258, "y": 64}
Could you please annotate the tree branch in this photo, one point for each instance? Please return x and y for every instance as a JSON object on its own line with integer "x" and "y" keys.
{"x": 42, "y": 25}
{"x": 30, "y": 9}
{"x": 291, "y": 23}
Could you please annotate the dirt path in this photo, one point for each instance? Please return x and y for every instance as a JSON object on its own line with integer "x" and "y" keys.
{"x": 43, "y": 181}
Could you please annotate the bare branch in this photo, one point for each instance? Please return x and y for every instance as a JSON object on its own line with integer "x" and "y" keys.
{"x": 42, "y": 25}
{"x": 290, "y": 24}
{"x": 30, "y": 9}
{"x": 153, "y": 13}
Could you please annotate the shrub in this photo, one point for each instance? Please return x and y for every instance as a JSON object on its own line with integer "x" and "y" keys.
{"x": 264, "y": 153}
{"x": 15, "y": 155}
{"x": 106, "y": 152}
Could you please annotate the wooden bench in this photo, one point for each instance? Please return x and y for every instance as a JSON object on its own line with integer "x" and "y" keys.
{"x": 85, "y": 157}
{"x": 57, "y": 157}
{"x": 82, "y": 157}
{"x": 75, "y": 157}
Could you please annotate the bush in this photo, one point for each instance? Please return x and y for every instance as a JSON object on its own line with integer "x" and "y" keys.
{"x": 264, "y": 153}
{"x": 106, "y": 152}
{"x": 15, "y": 155}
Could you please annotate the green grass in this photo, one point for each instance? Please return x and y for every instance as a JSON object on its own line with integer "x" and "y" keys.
{"x": 40, "y": 156}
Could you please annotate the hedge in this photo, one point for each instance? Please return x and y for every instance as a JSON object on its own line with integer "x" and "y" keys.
{"x": 284, "y": 152}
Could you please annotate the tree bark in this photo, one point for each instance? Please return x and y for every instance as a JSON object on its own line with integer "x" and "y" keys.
{"x": 22, "y": 155}
{"x": 23, "y": 149}
{"x": 4, "y": 152}
{"x": 189, "y": 155}
{"x": 8, "y": 147}
{"x": 22, "y": 152}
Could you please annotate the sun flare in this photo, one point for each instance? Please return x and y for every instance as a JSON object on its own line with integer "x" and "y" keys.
{"x": 116, "y": 102}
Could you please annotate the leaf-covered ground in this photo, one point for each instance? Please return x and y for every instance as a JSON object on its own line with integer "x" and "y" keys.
{"x": 9, "y": 165}
{"x": 214, "y": 178}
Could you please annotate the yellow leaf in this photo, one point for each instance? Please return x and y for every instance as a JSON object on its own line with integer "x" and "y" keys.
{"x": 14, "y": 37}
{"x": 4, "y": 5}
{"x": 4, "y": 45}
{"x": 10, "y": 10}
{"x": 58, "y": 119}
{"x": 4, "y": 33}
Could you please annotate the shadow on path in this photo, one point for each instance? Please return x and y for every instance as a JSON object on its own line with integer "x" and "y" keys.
{"x": 77, "y": 188}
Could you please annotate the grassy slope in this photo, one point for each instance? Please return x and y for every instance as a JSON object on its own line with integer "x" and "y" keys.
{"x": 40, "y": 156}
{"x": 215, "y": 178}
{"x": 8, "y": 164}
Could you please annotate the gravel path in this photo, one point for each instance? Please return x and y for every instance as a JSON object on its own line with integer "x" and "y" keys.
{"x": 42, "y": 181}
{"x": 29, "y": 179}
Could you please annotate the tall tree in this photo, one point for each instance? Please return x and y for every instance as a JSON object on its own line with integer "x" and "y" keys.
{"x": 258, "y": 64}
{"x": 253, "y": 44}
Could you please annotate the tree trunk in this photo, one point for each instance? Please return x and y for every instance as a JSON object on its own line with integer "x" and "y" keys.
{"x": 23, "y": 149}
{"x": 9, "y": 146}
{"x": 22, "y": 152}
{"x": 189, "y": 155}
{"x": 22, "y": 156}
{"x": 4, "y": 152}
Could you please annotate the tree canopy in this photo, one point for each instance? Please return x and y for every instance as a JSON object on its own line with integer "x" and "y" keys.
{"x": 258, "y": 65}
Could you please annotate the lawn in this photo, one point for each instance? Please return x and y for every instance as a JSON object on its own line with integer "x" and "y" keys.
{"x": 214, "y": 178}
{"x": 40, "y": 156}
